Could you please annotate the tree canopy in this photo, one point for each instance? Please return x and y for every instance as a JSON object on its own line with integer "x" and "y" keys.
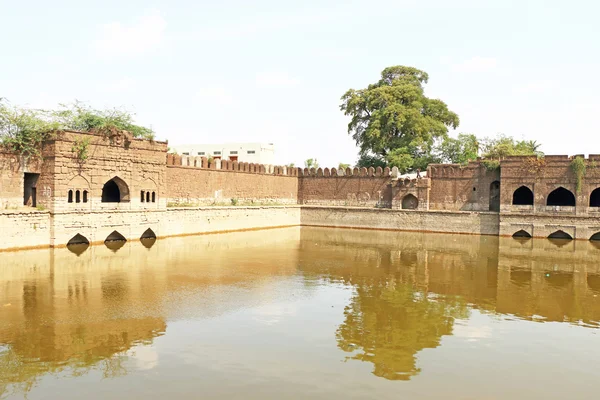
{"x": 394, "y": 121}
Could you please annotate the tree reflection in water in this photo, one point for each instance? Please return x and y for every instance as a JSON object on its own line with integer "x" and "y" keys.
{"x": 388, "y": 323}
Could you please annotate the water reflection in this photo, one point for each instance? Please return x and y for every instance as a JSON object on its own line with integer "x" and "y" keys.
{"x": 404, "y": 292}
{"x": 68, "y": 314}
{"x": 410, "y": 288}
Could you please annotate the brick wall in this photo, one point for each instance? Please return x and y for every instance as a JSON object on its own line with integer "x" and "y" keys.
{"x": 139, "y": 164}
{"x": 458, "y": 187}
{"x": 352, "y": 187}
{"x": 542, "y": 176}
{"x": 190, "y": 185}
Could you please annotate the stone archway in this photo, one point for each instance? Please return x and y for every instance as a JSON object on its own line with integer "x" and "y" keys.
{"x": 410, "y": 202}
{"x": 561, "y": 197}
{"x": 115, "y": 191}
{"x": 595, "y": 198}
{"x": 523, "y": 196}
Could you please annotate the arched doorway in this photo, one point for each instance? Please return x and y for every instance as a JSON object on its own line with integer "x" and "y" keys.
{"x": 561, "y": 197}
{"x": 115, "y": 191}
{"x": 523, "y": 196}
{"x": 495, "y": 196}
{"x": 595, "y": 198}
{"x": 410, "y": 202}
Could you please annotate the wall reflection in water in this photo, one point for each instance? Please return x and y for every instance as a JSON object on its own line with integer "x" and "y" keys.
{"x": 70, "y": 312}
{"x": 87, "y": 311}
{"x": 411, "y": 287}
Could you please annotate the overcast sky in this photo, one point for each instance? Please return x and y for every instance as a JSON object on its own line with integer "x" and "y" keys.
{"x": 274, "y": 71}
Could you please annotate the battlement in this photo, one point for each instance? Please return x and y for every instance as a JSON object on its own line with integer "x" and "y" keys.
{"x": 226, "y": 165}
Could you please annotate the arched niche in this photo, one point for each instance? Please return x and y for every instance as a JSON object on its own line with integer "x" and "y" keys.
{"x": 115, "y": 191}
{"x": 523, "y": 196}
{"x": 561, "y": 197}
{"x": 410, "y": 202}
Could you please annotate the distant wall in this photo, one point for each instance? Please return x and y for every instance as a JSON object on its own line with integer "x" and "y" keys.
{"x": 350, "y": 187}
{"x": 189, "y": 185}
{"x": 402, "y": 220}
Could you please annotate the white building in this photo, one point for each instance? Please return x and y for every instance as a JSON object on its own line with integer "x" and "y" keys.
{"x": 258, "y": 153}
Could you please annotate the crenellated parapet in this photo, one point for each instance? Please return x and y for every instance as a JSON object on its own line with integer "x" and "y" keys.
{"x": 176, "y": 160}
{"x": 348, "y": 172}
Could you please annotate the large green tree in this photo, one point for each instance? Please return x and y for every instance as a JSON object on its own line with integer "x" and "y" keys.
{"x": 393, "y": 119}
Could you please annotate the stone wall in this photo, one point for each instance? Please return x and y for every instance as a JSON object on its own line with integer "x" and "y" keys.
{"x": 134, "y": 165}
{"x": 478, "y": 223}
{"x": 461, "y": 187}
{"x": 14, "y": 170}
{"x": 25, "y": 229}
{"x": 197, "y": 186}
{"x": 543, "y": 225}
{"x": 351, "y": 187}
{"x": 542, "y": 177}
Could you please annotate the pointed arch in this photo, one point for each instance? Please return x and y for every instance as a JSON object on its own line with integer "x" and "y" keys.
{"x": 595, "y": 237}
{"x": 410, "y": 202}
{"x": 523, "y": 196}
{"x": 115, "y": 191}
{"x": 78, "y": 244}
{"x": 561, "y": 197}
{"x": 115, "y": 236}
{"x": 78, "y": 239}
{"x": 148, "y": 234}
{"x": 595, "y": 198}
{"x": 522, "y": 234}
{"x": 559, "y": 234}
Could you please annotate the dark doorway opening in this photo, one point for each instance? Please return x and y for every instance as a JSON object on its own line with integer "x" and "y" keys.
{"x": 115, "y": 191}
{"x": 111, "y": 192}
{"x": 523, "y": 196}
{"x": 29, "y": 189}
{"x": 561, "y": 197}
{"x": 595, "y": 198}
{"x": 495, "y": 196}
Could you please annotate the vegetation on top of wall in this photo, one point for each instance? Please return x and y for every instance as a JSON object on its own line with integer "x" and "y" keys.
{"x": 578, "y": 166}
{"x": 23, "y": 130}
{"x": 491, "y": 165}
{"x": 81, "y": 117}
{"x": 80, "y": 148}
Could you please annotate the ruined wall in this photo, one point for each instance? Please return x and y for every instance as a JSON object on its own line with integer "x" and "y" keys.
{"x": 13, "y": 169}
{"x": 138, "y": 165}
{"x": 352, "y": 187}
{"x": 542, "y": 176}
{"x": 458, "y": 187}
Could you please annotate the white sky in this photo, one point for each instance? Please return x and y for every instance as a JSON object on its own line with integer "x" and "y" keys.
{"x": 274, "y": 71}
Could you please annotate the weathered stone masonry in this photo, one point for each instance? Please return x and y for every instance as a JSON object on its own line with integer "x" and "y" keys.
{"x": 121, "y": 187}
